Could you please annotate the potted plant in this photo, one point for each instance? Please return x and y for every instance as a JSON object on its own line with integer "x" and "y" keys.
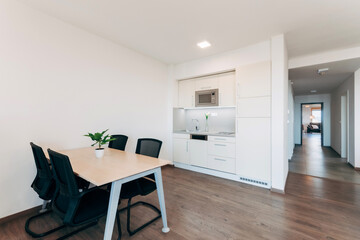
{"x": 100, "y": 139}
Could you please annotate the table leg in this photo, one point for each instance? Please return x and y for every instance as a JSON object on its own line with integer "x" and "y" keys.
{"x": 160, "y": 191}
{"x": 113, "y": 206}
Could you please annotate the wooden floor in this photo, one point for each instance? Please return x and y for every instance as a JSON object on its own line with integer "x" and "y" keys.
{"x": 205, "y": 207}
{"x": 312, "y": 159}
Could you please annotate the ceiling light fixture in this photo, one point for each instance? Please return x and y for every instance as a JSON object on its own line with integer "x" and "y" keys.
{"x": 322, "y": 71}
{"x": 204, "y": 44}
{"x": 313, "y": 91}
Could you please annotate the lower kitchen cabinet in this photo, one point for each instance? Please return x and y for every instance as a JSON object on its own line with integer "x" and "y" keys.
{"x": 181, "y": 150}
{"x": 198, "y": 153}
{"x": 224, "y": 164}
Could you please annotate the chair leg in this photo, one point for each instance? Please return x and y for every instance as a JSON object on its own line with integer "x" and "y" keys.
{"x": 129, "y": 206}
{"x": 77, "y": 230}
{"x": 37, "y": 235}
{"x": 43, "y": 208}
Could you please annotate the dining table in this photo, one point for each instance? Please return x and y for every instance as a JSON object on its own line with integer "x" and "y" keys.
{"x": 117, "y": 167}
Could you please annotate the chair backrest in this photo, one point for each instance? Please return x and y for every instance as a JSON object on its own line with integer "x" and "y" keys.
{"x": 66, "y": 186}
{"x": 119, "y": 143}
{"x": 148, "y": 147}
{"x": 44, "y": 178}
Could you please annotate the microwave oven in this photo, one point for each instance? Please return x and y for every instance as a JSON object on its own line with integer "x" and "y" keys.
{"x": 207, "y": 98}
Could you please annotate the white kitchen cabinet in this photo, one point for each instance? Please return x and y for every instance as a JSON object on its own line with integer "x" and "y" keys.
{"x": 254, "y": 107}
{"x": 227, "y": 89}
{"x": 186, "y": 93}
{"x": 198, "y": 152}
{"x": 222, "y": 149}
{"x": 206, "y": 83}
{"x": 253, "y": 148}
{"x": 254, "y": 80}
{"x": 181, "y": 148}
{"x": 223, "y": 164}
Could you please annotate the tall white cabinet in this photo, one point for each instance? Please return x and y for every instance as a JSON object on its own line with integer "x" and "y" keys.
{"x": 253, "y": 123}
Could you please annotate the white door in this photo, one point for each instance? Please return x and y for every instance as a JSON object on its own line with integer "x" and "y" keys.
{"x": 186, "y": 93}
{"x": 198, "y": 152}
{"x": 181, "y": 150}
{"x": 227, "y": 89}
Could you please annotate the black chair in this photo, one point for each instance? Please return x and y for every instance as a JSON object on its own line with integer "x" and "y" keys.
{"x": 143, "y": 186}
{"x": 76, "y": 208}
{"x": 44, "y": 185}
{"x": 119, "y": 143}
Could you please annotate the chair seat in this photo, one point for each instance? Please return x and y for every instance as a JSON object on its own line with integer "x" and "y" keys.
{"x": 131, "y": 189}
{"x": 92, "y": 204}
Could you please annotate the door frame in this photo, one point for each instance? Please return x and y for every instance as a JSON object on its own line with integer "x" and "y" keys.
{"x": 344, "y": 96}
{"x": 322, "y": 121}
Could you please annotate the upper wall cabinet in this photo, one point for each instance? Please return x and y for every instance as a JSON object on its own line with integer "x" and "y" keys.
{"x": 187, "y": 93}
{"x": 227, "y": 89}
{"x": 254, "y": 80}
{"x": 206, "y": 83}
{"x": 225, "y": 82}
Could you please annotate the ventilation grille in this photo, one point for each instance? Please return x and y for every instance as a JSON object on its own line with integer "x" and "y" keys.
{"x": 253, "y": 181}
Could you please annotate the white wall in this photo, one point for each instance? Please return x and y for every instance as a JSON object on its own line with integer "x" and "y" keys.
{"x": 291, "y": 143}
{"x": 316, "y": 98}
{"x": 356, "y": 119}
{"x": 59, "y": 82}
{"x": 223, "y": 62}
{"x": 346, "y": 86}
{"x": 279, "y": 113}
{"x": 324, "y": 57}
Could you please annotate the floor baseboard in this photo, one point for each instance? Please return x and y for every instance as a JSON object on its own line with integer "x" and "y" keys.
{"x": 33, "y": 210}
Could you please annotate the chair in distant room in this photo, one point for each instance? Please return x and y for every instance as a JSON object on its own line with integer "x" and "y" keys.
{"x": 143, "y": 186}
{"x": 44, "y": 185}
{"x": 119, "y": 143}
{"x": 74, "y": 207}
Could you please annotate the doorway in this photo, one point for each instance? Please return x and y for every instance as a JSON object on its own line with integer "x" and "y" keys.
{"x": 312, "y": 130}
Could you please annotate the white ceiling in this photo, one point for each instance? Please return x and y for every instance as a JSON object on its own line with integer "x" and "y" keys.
{"x": 168, "y": 30}
{"x": 306, "y": 78}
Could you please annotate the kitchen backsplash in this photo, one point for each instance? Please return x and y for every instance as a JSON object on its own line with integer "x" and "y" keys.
{"x": 220, "y": 119}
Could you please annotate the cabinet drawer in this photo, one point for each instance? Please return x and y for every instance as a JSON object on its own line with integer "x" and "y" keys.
{"x": 221, "y": 149}
{"x": 221, "y": 139}
{"x": 221, "y": 163}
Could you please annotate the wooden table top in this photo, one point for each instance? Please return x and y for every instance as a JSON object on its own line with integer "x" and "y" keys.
{"x": 113, "y": 166}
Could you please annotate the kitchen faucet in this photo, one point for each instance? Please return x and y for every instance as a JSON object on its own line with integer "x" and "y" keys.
{"x": 196, "y": 123}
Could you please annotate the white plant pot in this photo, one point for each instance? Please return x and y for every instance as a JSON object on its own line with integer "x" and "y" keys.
{"x": 99, "y": 152}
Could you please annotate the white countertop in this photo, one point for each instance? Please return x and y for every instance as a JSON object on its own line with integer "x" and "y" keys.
{"x": 222, "y": 134}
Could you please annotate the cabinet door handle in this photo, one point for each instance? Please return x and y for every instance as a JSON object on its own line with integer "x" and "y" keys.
{"x": 220, "y": 145}
{"x": 220, "y": 139}
{"x": 187, "y": 146}
{"x": 220, "y": 159}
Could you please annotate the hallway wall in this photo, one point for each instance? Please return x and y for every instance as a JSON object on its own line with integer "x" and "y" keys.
{"x": 290, "y": 123}
{"x": 316, "y": 98}
{"x": 347, "y": 85}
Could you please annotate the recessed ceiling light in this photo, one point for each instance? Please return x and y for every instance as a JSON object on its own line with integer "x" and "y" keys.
{"x": 322, "y": 71}
{"x": 204, "y": 44}
{"x": 313, "y": 91}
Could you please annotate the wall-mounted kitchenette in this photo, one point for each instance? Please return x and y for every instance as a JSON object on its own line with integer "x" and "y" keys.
{"x": 221, "y": 124}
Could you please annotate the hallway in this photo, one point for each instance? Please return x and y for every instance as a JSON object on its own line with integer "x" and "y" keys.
{"x": 312, "y": 159}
